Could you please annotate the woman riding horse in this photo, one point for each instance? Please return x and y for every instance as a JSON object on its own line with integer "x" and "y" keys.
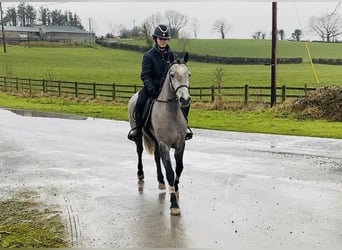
{"x": 155, "y": 64}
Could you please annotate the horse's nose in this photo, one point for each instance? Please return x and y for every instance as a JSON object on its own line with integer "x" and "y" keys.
{"x": 185, "y": 101}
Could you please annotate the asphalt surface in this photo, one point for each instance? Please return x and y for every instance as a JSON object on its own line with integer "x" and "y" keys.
{"x": 237, "y": 191}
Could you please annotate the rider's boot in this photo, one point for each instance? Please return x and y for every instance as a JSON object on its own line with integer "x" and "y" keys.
{"x": 189, "y": 133}
{"x": 135, "y": 133}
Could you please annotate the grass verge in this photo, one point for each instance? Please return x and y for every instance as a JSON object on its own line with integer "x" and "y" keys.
{"x": 260, "y": 120}
{"x": 26, "y": 223}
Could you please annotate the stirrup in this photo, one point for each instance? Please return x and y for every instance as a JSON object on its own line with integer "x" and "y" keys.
{"x": 133, "y": 134}
{"x": 189, "y": 134}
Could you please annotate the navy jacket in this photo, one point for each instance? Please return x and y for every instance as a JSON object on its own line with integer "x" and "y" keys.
{"x": 154, "y": 67}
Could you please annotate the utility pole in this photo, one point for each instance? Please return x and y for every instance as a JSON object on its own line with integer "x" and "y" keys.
{"x": 274, "y": 55}
{"x": 90, "y": 34}
{"x": 2, "y": 28}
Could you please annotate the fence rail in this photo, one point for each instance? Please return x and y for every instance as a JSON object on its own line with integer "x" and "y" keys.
{"x": 122, "y": 92}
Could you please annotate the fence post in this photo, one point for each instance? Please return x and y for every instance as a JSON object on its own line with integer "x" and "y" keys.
{"x": 246, "y": 94}
{"x": 76, "y": 89}
{"x": 94, "y": 90}
{"x": 30, "y": 85}
{"x": 59, "y": 88}
{"x": 114, "y": 92}
{"x": 212, "y": 93}
{"x": 44, "y": 86}
{"x": 5, "y": 83}
{"x": 305, "y": 90}
{"x": 283, "y": 93}
{"x": 17, "y": 84}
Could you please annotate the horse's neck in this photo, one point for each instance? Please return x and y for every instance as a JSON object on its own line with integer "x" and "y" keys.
{"x": 166, "y": 93}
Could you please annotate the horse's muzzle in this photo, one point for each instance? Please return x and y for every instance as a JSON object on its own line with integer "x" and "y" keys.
{"x": 185, "y": 102}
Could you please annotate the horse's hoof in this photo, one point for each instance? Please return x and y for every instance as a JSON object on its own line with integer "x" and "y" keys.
{"x": 141, "y": 187}
{"x": 141, "y": 177}
{"x": 161, "y": 186}
{"x": 175, "y": 211}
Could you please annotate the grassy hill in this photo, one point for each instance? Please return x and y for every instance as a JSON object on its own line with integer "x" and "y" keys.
{"x": 103, "y": 65}
{"x": 253, "y": 48}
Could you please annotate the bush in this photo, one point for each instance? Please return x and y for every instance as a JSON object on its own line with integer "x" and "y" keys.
{"x": 325, "y": 103}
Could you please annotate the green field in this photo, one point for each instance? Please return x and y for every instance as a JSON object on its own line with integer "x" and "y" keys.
{"x": 103, "y": 65}
{"x": 253, "y": 48}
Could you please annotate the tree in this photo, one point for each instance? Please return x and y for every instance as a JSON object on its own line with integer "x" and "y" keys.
{"x": 297, "y": 34}
{"x": 281, "y": 33}
{"x": 44, "y": 16}
{"x": 11, "y": 17}
{"x": 148, "y": 27}
{"x": 146, "y": 30}
{"x": 195, "y": 26}
{"x": 25, "y": 14}
{"x": 221, "y": 26}
{"x": 257, "y": 35}
{"x": 327, "y": 26}
{"x": 31, "y": 14}
{"x": 57, "y": 18}
{"x": 176, "y": 21}
{"x": 21, "y": 13}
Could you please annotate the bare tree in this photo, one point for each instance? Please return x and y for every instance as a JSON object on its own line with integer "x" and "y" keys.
{"x": 221, "y": 26}
{"x": 195, "y": 26}
{"x": 176, "y": 21}
{"x": 148, "y": 27}
{"x": 327, "y": 26}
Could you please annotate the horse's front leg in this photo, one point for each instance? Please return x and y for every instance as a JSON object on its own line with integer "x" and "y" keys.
{"x": 140, "y": 150}
{"x": 179, "y": 152}
{"x": 159, "y": 170}
{"x": 170, "y": 176}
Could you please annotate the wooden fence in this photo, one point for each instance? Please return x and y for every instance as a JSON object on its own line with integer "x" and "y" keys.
{"x": 122, "y": 92}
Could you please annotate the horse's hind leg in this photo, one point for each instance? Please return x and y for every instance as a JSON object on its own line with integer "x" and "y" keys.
{"x": 179, "y": 166}
{"x": 159, "y": 170}
{"x": 140, "y": 150}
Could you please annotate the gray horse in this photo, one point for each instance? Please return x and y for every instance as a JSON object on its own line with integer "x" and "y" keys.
{"x": 166, "y": 128}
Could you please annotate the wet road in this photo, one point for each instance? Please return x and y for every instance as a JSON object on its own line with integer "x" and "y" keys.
{"x": 238, "y": 190}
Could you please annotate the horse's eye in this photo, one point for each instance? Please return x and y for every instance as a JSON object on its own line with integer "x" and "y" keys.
{"x": 189, "y": 74}
{"x": 172, "y": 74}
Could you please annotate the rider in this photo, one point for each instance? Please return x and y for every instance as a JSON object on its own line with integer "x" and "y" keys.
{"x": 155, "y": 64}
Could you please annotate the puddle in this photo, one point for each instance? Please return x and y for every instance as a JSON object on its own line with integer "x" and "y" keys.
{"x": 33, "y": 113}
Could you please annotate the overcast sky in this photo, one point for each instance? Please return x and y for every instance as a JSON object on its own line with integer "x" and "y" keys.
{"x": 244, "y": 17}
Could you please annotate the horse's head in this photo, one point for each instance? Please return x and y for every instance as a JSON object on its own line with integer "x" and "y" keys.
{"x": 180, "y": 81}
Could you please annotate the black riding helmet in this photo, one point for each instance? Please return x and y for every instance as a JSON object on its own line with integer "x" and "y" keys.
{"x": 161, "y": 31}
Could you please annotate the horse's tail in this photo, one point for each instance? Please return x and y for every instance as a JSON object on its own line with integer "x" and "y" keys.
{"x": 149, "y": 144}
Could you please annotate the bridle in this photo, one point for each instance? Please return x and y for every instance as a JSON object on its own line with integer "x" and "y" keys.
{"x": 173, "y": 90}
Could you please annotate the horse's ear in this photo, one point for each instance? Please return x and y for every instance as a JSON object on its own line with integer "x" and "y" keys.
{"x": 186, "y": 57}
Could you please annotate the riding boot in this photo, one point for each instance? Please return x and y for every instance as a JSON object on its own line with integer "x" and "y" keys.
{"x": 135, "y": 133}
{"x": 189, "y": 133}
